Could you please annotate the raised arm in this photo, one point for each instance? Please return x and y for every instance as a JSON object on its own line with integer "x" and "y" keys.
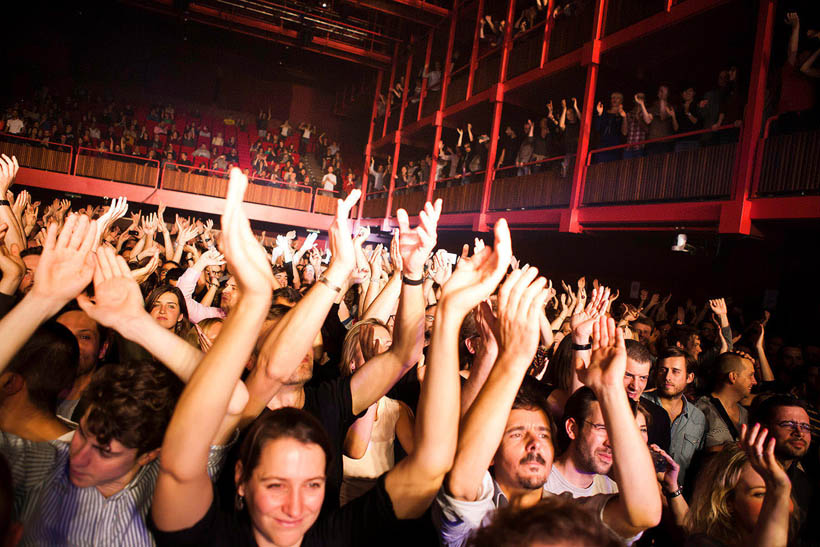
{"x": 772, "y": 527}
{"x": 184, "y": 492}
{"x": 520, "y": 300}
{"x": 380, "y": 373}
{"x": 485, "y": 355}
{"x": 66, "y": 268}
{"x": 638, "y": 504}
{"x": 15, "y": 234}
{"x": 385, "y": 302}
{"x": 414, "y": 482}
{"x": 292, "y": 337}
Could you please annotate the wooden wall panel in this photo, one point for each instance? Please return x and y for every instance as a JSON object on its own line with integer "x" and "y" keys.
{"x": 461, "y": 199}
{"x": 38, "y": 157}
{"x": 375, "y": 208}
{"x": 791, "y": 164}
{"x": 544, "y": 189}
{"x": 120, "y": 171}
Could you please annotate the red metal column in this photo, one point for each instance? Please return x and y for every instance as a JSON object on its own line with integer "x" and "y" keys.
{"x": 474, "y": 54}
{"x": 405, "y": 89}
{"x": 368, "y": 151}
{"x": 545, "y": 45}
{"x": 735, "y": 217}
{"x": 389, "y": 98}
{"x": 427, "y": 56}
{"x": 592, "y": 56}
{"x": 480, "y": 224}
{"x": 397, "y": 149}
{"x": 445, "y": 83}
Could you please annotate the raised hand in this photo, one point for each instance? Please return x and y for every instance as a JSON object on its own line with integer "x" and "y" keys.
{"x": 416, "y": 244}
{"x": 718, "y": 306}
{"x": 161, "y": 216}
{"x": 342, "y": 249}
{"x": 599, "y": 108}
{"x": 607, "y": 363}
{"x": 395, "y": 254}
{"x": 668, "y": 478}
{"x": 211, "y": 257}
{"x": 66, "y": 264}
{"x": 186, "y": 234}
{"x": 11, "y": 264}
{"x": 141, "y": 274}
{"x": 584, "y": 318}
{"x": 759, "y": 448}
{"x": 117, "y": 298}
{"x": 441, "y": 270}
{"x": 521, "y": 300}
{"x": 117, "y": 210}
{"x": 8, "y": 170}
{"x": 246, "y": 258}
{"x": 476, "y": 277}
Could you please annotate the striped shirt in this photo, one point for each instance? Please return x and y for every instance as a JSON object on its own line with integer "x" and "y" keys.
{"x": 55, "y": 512}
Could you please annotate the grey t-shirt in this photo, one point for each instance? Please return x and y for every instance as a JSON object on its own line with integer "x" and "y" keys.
{"x": 717, "y": 432}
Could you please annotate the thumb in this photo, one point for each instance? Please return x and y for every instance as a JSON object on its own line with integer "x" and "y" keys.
{"x": 85, "y": 303}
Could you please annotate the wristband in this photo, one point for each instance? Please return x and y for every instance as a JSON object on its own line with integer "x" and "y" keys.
{"x": 672, "y": 495}
{"x": 329, "y": 285}
{"x": 5, "y": 202}
{"x": 413, "y": 282}
{"x": 581, "y": 347}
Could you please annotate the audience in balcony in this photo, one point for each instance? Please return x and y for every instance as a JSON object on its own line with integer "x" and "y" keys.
{"x": 663, "y": 122}
{"x": 797, "y": 104}
{"x": 202, "y": 152}
{"x": 690, "y": 118}
{"x": 635, "y": 127}
{"x": 608, "y": 124}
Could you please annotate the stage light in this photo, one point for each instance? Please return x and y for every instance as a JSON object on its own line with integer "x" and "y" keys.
{"x": 681, "y": 245}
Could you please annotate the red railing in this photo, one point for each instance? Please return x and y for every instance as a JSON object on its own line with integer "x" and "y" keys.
{"x": 38, "y": 154}
{"x": 673, "y": 137}
{"x": 105, "y": 165}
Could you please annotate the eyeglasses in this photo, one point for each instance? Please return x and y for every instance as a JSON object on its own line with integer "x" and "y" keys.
{"x": 795, "y": 426}
{"x": 598, "y": 428}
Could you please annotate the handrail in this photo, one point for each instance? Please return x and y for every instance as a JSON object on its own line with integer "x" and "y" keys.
{"x": 673, "y": 137}
{"x": 767, "y": 127}
{"x": 528, "y": 31}
{"x": 267, "y": 182}
{"x": 39, "y": 142}
{"x": 98, "y": 151}
{"x": 537, "y": 162}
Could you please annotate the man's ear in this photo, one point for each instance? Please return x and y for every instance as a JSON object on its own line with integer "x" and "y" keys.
{"x": 11, "y": 383}
{"x": 732, "y": 377}
{"x": 148, "y": 457}
{"x": 471, "y": 347}
{"x": 571, "y": 428}
{"x": 103, "y": 349}
{"x": 690, "y": 377}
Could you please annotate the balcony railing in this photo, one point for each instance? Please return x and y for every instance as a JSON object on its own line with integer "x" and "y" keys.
{"x": 788, "y": 163}
{"x": 534, "y": 185}
{"x": 689, "y": 170}
{"x": 117, "y": 167}
{"x": 37, "y": 154}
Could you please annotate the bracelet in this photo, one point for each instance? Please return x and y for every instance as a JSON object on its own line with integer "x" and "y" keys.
{"x": 329, "y": 285}
{"x": 5, "y": 202}
{"x": 413, "y": 282}
{"x": 672, "y": 495}
{"x": 581, "y": 347}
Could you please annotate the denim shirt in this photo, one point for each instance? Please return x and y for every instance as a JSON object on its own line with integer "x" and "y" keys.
{"x": 688, "y": 433}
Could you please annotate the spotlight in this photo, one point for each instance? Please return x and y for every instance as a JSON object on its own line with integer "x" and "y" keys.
{"x": 324, "y": 5}
{"x": 681, "y": 245}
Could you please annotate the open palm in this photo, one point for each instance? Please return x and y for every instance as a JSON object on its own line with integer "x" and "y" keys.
{"x": 117, "y": 297}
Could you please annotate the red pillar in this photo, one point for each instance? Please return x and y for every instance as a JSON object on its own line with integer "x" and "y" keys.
{"x": 545, "y": 45}
{"x": 474, "y": 54}
{"x": 445, "y": 83}
{"x": 480, "y": 224}
{"x": 397, "y": 148}
{"x": 389, "y": 98}
{"x": 592, "y": 56}
{"x": 368, "y": 151}
{"x": 735, "y": 217}
{"x": 427, "y": 56}
{"x": 392, "y": 185}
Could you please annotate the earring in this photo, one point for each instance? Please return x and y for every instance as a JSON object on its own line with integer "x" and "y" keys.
{"x": 239, "y": 502}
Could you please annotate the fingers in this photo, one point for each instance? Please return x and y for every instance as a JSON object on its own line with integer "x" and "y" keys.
{"x": 106, "y": 264}
{"x": 403, "y": 220}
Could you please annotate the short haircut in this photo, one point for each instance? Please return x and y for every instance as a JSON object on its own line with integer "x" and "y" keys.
{"x": 644, "y": 320}
{"x": 552, "y": 520}
{"x": 674, "y": 351}
{"x": 174, "y": 274}
{"x": 577, "y": 407}
{"x": 277, "y": 311}
{"x": 31, "y": 251}
{"x": 726, "y": 363}
{"x": 638, "y": 352}
{"x": 288, "y": 293}
{"x": 764, "y": 407}
{"x": 48, "y": 363}
{"x": 532, "y": 395}
{"x": 132, "y": 403}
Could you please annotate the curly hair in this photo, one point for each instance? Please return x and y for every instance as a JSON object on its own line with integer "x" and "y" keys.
{"x": 132, "y": 403}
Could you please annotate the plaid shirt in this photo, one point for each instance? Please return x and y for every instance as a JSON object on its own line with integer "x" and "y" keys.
{"x": 636, "y": 130}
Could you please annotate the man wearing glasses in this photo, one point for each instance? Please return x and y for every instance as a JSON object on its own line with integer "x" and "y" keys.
{"x": 788, "y": 423}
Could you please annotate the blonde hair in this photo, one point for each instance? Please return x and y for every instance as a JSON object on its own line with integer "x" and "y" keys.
{"x": 351, "y": 350}
{"x": 711, "y": 510}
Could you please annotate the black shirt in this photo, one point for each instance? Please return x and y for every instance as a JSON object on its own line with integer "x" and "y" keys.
{"x": 368, "y": 520}
{"x": 332, "y": 404}
{"x": 660, "y": 428}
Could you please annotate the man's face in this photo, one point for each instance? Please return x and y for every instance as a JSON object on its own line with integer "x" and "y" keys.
{"x": 635, "y": 378}
{"x": 791, "y": 358}
{"x": 746, "y": 378}
{"x": 87, "y": 333}
{"x": 663, "y": 93}
{"x": 790, "y": 428}
{"x": 708, "y": 332}
{"x": 616, "y": 99}
{"x": 31, "y": 262}
{"x": 590, "y": 448}
{"x": 91, "y": 464}
{"x": 693, "y": 346}
{"x": 672, "y": 378}
{"x": 229, "y": 294}
{"x": 524, "y": 457}
{"x": 688, "y": 94}
{"x": 643, "y": 332}
{"x": 281, "y": 278}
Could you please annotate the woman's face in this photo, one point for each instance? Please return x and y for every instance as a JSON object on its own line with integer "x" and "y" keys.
{"x": 748, "y": 498}
{"x": 165, "y": 310}
{"x": 285, "y": 492}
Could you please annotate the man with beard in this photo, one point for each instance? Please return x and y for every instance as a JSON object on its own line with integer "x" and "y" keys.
{"x": 638, "y": 366}
{"x": 788, "y": 423}
{"x": 509, "y": 429}
{"x": 724, "y": 414}
{"x": 676, "y": 370}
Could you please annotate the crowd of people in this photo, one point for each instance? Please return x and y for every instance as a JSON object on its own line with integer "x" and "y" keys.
{"x": 212, "y": 386}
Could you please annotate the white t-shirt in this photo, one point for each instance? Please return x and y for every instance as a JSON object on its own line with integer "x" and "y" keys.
{"x": 329, "y": 182}
{"x": 306, "y": 133}
{"x": 15, "y": 126}
{"x": 558, "y": 484}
